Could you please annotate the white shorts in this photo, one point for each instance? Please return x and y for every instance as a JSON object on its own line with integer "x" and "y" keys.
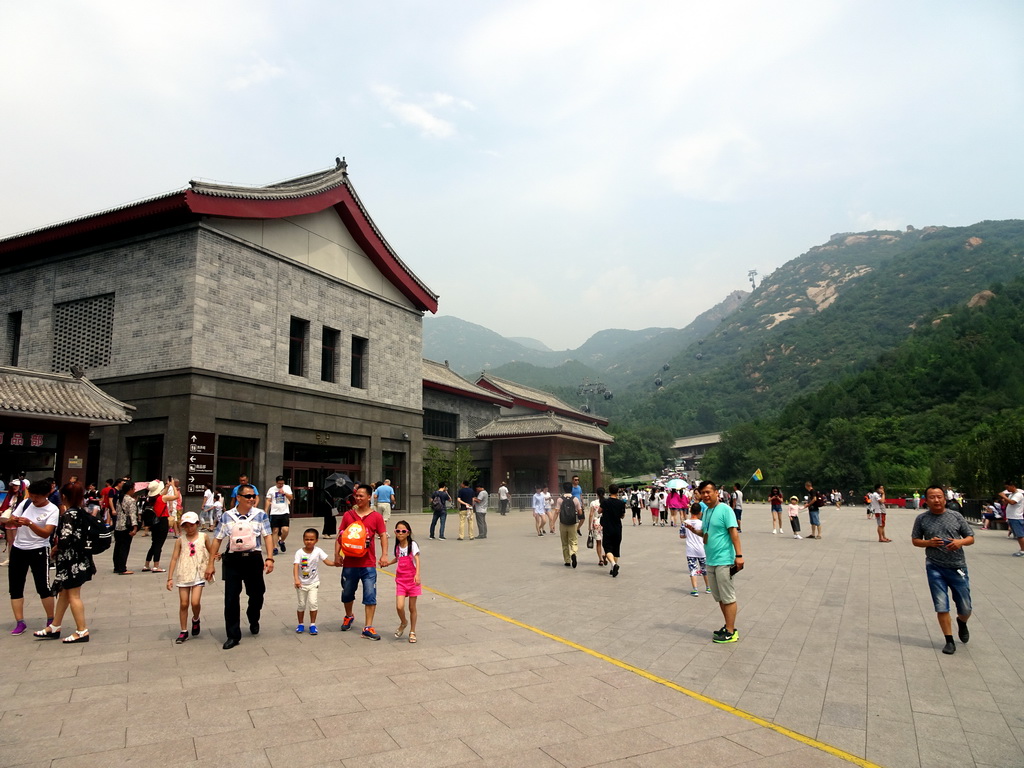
{"x": 308, "y": 594}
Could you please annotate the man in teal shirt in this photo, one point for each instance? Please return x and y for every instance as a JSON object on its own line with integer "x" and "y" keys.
{"x": 722, "y": 549}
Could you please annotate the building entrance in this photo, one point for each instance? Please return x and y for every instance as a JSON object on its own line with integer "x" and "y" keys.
{"x": 306, "y": 467}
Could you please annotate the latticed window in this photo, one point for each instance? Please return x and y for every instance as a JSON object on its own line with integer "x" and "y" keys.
{"x": 440, "y": 424}
{"x": 82, "y": 332}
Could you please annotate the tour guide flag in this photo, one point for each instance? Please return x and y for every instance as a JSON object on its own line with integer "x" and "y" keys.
{"x": 757, "y": 475}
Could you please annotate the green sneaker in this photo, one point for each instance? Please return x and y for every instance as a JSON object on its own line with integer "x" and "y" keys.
{"x": 725, "y": 637}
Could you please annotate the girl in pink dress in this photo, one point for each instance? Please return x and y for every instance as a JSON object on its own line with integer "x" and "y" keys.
{"x": 407, "y": 577}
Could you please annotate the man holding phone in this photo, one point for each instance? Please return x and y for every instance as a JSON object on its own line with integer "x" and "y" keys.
{"x": 943, "y": 533}
{"x": 724, "y": 560}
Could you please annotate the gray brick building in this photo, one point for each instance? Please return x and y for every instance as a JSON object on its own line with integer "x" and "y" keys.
{"x": 266, "y": 330}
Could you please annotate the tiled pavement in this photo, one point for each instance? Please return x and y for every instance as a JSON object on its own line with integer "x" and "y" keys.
{"x": 838, "y": 642}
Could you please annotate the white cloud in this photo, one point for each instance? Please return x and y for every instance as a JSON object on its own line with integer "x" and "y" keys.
{"x": 420, "y": 113}
{"x": 260, "y": 71}
{"x": 712, "y": 165}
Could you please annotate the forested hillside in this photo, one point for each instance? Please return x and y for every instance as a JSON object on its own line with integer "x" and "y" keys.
{"x": 825, "y": 315}
{"x": 947, "y": 405}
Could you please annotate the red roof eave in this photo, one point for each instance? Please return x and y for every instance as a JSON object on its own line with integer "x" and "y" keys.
{"x": 500, "y": 400}
{"x": 543, "y": 407}
{"x": 561, "y": 435}
{"x": 186, "y": 205}
{"x": 174, "y": 203}
{"x": 341, "y": 199}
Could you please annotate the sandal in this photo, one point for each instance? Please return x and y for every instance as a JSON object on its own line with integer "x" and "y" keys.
{"x": 46, "y": 634}
{"x": 77, "y": 637}
{"x": 400, "y": 631}
{"x": 412, "y": 637}
{"x": 159, "y": 570}
{"x": 146, "y": 569}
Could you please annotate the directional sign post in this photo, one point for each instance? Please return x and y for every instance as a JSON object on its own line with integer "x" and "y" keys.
{"x": 200, "y": 461}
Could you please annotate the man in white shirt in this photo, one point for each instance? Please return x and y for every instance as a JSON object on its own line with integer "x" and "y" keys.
{"x": 36, "y": 519}
{"x": 1014, "y": 498}
{"x": 480, "y": 511}
{"x": 279, "y": 498}
{"x": 503, "y": 499}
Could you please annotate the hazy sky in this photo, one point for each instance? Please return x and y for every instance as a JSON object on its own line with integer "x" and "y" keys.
{"x": 550, "y": 168}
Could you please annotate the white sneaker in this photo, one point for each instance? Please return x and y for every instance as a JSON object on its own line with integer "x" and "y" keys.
{"x": 797, "y": 536}
{"x": 774, "y": 531}
{"x": 1019, "y": 554}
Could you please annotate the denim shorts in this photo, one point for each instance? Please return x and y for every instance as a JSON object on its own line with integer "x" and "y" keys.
{"x": 813, "y": 514}
{"x": 350, "y": 578}
{"x": 1017, "y": 526}
{"x": 956, "y": 581}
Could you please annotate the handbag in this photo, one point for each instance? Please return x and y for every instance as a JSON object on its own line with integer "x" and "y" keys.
{"x": 590, "y": 540}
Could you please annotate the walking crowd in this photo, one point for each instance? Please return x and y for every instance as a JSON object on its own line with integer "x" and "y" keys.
{"x": 65, "y": 529}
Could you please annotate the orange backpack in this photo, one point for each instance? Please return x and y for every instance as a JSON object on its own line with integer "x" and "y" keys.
{"x": 353, "y": 539}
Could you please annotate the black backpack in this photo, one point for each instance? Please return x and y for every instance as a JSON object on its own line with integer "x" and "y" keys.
{"x": 98, "y": 537}
{"x": 567, "y": 512}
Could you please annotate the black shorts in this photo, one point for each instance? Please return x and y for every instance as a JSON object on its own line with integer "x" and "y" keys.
{"x": 279, "y": 521}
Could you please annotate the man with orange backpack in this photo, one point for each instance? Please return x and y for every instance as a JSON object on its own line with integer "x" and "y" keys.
{"x": 354, "y": 548}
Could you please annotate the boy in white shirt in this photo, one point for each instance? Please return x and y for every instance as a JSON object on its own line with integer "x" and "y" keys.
{"x": 692, "y": 531}
{"x": 307, "y": 578}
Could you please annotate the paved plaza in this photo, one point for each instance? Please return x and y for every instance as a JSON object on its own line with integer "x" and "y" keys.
{"x": 838, "y": 663}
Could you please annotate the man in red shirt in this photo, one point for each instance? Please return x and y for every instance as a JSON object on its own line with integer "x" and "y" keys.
{"x": 356, "y": 570}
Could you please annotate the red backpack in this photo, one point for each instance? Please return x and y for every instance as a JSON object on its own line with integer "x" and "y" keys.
{"x": 353, "y": 539}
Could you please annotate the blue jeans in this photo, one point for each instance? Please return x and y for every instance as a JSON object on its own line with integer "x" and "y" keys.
{"x": 351, "y": 578}
{"x": 442, "y": 516}
{"x": 956, "y": 581}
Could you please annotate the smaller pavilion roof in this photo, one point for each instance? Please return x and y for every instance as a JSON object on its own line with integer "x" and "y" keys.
{"x": 548, "y": 424}
{"x": 537, "y": 399}
{"x": 60, "y": 397}
{"x": 441, "y": 378}
{"x": 694, "y": 441}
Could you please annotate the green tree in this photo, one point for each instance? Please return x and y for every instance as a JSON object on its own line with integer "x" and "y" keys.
{"x": 637, "y": 451}
{"x": 451, "y": 468}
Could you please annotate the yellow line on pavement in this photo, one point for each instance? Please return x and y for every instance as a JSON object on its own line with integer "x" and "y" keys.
{"x": 860, "y": 761}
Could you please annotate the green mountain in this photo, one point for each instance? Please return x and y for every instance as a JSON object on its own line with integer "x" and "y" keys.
{"x": 946, "y": 405}
{"x": 824, "y": 315}
{"x": 616, "y": 357}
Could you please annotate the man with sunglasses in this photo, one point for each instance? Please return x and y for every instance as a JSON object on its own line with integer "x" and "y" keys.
{"x": 246, "y": 560}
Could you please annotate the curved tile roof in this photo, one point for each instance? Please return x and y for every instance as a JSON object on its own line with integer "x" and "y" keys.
{"x": 58, "y": 396}
{"x": 540, "y": 425}
{"x": 536, "y": 398}
{"x": 311, "y": 193}
{"x": 440, "y": 377}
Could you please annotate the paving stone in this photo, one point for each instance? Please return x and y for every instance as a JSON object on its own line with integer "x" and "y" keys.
{"x": 838, "y": 641}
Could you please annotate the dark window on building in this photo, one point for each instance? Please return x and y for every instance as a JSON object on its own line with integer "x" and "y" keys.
{"x": 329, "y": 355}
{"x": 440, "y": 424}
{"x": 146, "y": 457}
{"x": 14, "y": 336}
{"x": 82, "y": 333}
{"x": 360, "y": 349}
{"x": 235, "y": 456}
{"x": 298, "y": 344}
